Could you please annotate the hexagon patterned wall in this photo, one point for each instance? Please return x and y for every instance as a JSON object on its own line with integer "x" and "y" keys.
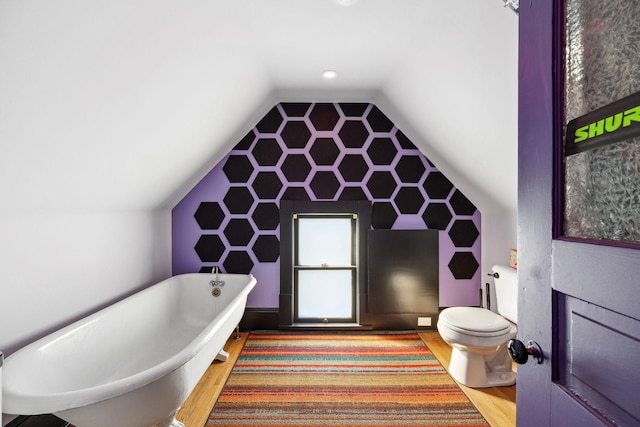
{"x": 322, "y": 151}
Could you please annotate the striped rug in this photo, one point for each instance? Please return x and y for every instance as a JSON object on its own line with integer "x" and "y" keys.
{"x": 340, "y": 380}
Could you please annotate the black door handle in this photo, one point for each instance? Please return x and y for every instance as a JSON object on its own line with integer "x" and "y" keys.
{"x": 520, "y": 353}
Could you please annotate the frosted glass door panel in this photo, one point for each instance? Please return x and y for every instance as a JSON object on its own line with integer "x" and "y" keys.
{"x": 602, "y": 66}
{"x": 325, "y": 294}
{"x": 324, "y": 241}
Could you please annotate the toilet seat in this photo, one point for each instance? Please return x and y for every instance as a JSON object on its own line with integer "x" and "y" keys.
{"x": 475, "y": 321}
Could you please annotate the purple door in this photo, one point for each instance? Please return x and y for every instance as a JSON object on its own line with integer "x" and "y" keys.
{"x": 579, "y": 301}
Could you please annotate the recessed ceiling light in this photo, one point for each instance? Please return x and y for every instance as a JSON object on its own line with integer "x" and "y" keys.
{"x": 329, "y": 74}
{"x": 346, "y": 2}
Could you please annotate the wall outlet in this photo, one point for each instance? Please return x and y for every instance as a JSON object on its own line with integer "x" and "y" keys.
{"x": 424, "y": 321}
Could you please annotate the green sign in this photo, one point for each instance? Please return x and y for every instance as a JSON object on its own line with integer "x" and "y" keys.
{"x": 612, "y": 123}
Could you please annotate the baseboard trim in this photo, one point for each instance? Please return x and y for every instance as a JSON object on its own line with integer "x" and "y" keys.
{"x": 260, "y": 319}
{"x": 269, "y": 319}
{"x": 47, "y": 420}
{"x": 325, "y": 327}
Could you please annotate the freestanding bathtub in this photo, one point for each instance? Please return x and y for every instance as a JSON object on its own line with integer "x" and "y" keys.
{"x": 134, "y": 362}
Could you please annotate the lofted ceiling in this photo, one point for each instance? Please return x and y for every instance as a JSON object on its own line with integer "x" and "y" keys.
{"x": 109, "y": 105}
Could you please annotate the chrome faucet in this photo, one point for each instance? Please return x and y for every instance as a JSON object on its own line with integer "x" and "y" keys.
{"x": 217, "y": 281}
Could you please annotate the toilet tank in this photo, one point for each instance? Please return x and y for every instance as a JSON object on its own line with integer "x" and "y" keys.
{"x": 506, "y": 290}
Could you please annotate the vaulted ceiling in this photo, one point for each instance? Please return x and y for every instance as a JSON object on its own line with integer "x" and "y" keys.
{"x": 123, "y": 105}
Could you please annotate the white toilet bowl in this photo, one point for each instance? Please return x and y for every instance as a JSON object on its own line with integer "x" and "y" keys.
{"x": 479, "y": 338}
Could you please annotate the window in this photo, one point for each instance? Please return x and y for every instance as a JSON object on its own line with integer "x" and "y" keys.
{"x": 325, "y": 268}
{"x": 323, "y": 262}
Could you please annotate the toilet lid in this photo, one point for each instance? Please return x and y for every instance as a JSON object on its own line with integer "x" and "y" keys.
{"x": 475, "y": 320}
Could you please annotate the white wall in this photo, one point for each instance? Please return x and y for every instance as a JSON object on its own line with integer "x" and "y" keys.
{"x": 499, "y": 234}
{"x": 57, "y": 267}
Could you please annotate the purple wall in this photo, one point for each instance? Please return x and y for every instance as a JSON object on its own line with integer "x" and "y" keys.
{"x": 306, "y": 151}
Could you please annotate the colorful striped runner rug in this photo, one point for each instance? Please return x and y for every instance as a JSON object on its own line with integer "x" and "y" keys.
{"x": 338, "y": 379}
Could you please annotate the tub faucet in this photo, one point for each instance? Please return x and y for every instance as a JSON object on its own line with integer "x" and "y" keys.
{"x": 217, "y": 281}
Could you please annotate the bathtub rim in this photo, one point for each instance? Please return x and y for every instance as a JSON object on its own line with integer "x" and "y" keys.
{"x": 60, "y": 401}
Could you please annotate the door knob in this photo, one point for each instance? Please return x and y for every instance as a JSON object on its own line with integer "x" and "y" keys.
{"x": 520, "y": 353}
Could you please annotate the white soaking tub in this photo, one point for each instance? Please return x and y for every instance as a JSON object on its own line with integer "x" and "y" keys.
{"x": 133, "y": 363}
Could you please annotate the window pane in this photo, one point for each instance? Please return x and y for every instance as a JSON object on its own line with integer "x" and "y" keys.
{"x": 325, "y": 293}
{"x": 324, "y": 241}
{"x": 601, "y": 66}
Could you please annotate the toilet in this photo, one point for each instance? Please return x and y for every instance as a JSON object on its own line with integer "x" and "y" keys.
{"x": 479, "y": 336}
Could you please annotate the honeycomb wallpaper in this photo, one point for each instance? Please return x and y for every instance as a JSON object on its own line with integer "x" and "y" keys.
{"x": 322, "y": 151}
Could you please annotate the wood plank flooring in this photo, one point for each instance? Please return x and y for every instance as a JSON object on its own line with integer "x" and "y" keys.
{"x": 497, "y": 405}
{"x": 196, "y": 409}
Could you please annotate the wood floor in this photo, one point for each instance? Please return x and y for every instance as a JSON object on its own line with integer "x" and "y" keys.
{"x": 196, "y": 409}
{"x": 497, "y": 405}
